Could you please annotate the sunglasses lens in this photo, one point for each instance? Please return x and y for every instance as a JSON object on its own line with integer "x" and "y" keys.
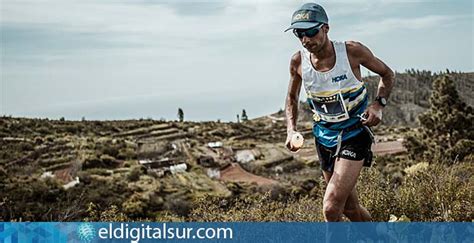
{"x": 298, "y": 33}
{"x": 308, "y": 32}
{"x": 311, "y": 32}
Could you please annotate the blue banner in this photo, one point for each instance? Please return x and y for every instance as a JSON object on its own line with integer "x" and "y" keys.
{"x": 235, "y": 232}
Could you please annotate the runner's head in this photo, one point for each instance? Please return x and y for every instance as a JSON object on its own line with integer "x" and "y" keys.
{"x": 310, "y": 24}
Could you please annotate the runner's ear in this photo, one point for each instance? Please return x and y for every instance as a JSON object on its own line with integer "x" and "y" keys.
{"x": 326, "y": 28}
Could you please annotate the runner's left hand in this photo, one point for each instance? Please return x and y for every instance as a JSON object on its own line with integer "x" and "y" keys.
{"x": 373, "y": 115}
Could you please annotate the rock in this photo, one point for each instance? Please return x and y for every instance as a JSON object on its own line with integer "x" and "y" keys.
{"x": 213, "y": 173}
{"x": 179, "y": 168}
{"x": 402, "y": 218}
{"x": 215, "y": 144}
{"x": 47, "y": 174}
{"x": 244, "y": 156}
{"x": 72, "y": 183}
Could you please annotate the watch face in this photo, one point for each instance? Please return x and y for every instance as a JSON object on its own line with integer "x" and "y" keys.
{"x": 382, "y": 101}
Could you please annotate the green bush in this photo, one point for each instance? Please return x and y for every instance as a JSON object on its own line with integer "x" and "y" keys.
{"x": 446, "y": 132}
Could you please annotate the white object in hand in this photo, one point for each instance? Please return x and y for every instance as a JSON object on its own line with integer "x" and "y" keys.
{"x": 297, "y": 140}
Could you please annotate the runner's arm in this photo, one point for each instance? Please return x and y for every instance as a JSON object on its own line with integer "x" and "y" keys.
{"x": 367, "y": 59}
{"x": 294, "y": 87}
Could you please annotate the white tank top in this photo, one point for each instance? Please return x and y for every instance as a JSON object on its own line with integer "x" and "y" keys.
{"x": 340, "y": 79}
{"x": 337, "y": 97}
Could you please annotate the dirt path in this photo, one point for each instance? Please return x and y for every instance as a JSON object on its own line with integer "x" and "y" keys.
{"x": 393, "y": 147}
{"x": 235, "y": 173}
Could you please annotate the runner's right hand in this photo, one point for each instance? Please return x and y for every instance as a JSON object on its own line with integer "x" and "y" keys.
{"x": 288, "y": 141}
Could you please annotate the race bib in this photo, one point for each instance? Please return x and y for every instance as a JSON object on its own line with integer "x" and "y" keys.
{"x": 330, "y": 108}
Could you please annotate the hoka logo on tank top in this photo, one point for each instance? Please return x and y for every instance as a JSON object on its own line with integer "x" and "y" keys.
{"x": 336, "y": 97}
{"x": 339, "y": 78}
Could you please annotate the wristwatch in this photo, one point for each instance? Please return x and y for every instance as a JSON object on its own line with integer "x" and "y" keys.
{"x": 381, "y": 100}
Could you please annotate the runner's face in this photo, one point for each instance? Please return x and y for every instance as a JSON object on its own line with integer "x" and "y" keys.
{"x": 315, "y": 43}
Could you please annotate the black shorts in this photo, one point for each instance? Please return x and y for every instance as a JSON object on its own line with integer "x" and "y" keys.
{"x": 355, "y": 148}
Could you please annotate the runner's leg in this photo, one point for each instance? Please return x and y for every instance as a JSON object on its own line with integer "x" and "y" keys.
{"x": 354, "y": 211}
{"x": 339, "y": 188}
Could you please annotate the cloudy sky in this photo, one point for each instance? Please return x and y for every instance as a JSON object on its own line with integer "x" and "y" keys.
{"x": 119, "y": 59}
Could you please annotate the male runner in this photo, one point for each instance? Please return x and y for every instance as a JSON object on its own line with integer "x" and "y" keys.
{"x": 330, "y": 73}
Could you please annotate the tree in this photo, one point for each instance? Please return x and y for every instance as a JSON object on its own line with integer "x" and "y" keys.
{"x": 244, "y": 115}
{"x": 446, "y": 132}
{"x": 180, "y": 115}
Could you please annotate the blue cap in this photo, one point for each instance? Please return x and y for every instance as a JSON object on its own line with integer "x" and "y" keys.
{"x": 308, "y": 16}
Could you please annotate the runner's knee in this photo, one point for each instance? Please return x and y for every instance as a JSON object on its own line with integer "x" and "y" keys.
{"x": 332, "y": 209}
{"x": 332, "y": 212}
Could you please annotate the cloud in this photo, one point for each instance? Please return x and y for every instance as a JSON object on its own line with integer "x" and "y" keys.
{"x": 143, "y": 22}
{"x": 146, "y": 23}
{"x": 403, "y": 24}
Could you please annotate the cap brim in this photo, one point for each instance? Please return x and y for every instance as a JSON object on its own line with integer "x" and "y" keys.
{"x": 304, "y": 25}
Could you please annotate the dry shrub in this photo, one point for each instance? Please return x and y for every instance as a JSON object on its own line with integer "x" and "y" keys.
{"x": 259, "y": 207}
{"x": 110, "y": 214}
{"x": 438, "y": 193}
{"x": 376, "y": 193}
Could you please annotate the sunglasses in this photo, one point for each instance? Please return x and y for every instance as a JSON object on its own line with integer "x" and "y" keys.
{"x": 300, "y": 33}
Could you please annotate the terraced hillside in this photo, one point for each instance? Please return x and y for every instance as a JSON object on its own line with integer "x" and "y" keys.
{"x": 53, "y": 169}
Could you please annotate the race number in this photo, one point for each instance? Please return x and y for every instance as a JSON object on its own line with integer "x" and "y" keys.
{"x": 330, "y": 108}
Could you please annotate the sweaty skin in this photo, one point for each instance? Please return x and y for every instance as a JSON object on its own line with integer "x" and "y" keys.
{"x": 340, "y": 196}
